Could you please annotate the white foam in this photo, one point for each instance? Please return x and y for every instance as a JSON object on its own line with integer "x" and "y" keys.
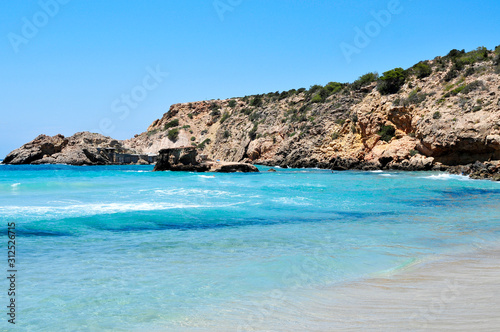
{"x": 80, "y": 210}
{"x": 299, "y": 201}
{"x": 206, "y": 176}
{"x": 377, "y": 171}
{"x": 386, "y": 175}
{"x": 192, "y": 192}
{"x": 446, "y": 176}
{"x": 15, "y": 185}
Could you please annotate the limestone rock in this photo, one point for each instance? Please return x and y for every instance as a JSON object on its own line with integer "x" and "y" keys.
{"x": 80, "y": 149}
{"x": 187, "y": 159}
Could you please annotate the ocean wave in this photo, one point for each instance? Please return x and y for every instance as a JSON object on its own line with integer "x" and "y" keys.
{"x": 299, "y": 201}
{"x": 15, "y": 185}
{"x": 83, "y": 210}
{"x": 446, "y": 176}
{"x": 377, "y": 171}
{"x": 193, "y": 192}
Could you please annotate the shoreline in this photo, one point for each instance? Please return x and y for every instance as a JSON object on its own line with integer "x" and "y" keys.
{"x": 451, "y": 292}
{"x": 471, "y": 171}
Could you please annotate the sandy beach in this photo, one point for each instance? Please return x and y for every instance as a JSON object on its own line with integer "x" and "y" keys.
{"x": 453, "y": 293}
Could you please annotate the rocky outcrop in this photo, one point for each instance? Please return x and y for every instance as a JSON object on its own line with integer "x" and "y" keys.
{"x": 436, "y": 121}
{"x": 187, "y": 159}
{"x": 478, "y": 170}
{"x": 448, "y": 118}
{"x": 180, "y": 159}
{"x": 83, "y": 148}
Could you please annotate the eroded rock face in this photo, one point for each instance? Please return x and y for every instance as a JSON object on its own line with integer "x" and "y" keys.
{"x": 83, "y": 148}
{"x": 187, "y": 159}
{"x": 432, "y": 128}
{"x": 179, "y": 159}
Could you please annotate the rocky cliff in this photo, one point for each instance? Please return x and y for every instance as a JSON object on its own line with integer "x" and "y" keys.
{"x": 438, "y": 113}
{"x": 445, "y": 112}
{"x": 80, "y": 149}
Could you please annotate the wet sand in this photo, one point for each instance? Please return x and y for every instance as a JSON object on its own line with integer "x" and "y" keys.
{"x": 457, "y": 294}
{"x": 454, "y": 293}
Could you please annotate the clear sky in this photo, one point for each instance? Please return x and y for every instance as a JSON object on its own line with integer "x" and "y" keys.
{"x": 101, "y": 65}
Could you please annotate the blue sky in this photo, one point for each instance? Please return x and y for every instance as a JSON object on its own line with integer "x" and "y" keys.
{"x": 68, "y": 67}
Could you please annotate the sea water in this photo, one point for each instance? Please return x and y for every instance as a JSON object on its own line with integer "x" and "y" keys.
{"x": 122, "y": 248}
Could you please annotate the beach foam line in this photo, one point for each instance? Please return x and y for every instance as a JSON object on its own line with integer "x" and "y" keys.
{"x": 83, "y": 210}
{"x": 446, "y": 176}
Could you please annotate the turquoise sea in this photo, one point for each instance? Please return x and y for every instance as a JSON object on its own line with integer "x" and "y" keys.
{"x": 122, "y": 248}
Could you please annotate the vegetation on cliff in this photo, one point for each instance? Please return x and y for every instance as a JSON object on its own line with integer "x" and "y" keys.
{"x": 438, "y": 112}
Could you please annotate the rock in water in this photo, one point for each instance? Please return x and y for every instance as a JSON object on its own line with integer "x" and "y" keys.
{"x": 187, "y": 159}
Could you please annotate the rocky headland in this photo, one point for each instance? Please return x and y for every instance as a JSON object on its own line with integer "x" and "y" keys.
{"x": 441, "y": 114}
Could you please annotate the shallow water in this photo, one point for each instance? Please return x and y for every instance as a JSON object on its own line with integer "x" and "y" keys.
{"x": 124, "y": 248}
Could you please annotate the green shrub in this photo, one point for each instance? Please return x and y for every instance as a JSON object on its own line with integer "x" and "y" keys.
{"x": 204, "y": 143}
{"x": 452, "y": 73}
{"x": 152, "y": 132}
{"x": 387, "y": 133}
{"x": 247, "y": 111}
{"x": 214, "y": 106}
{"x": 413, "y": 152}
{"x": 455, "y": 53}
{"x": 455, "y": 91}
{"x": 283, "y": 95}
{"x": 304, "y": 109}
{"x": 253, "y": 132}
{"x": 422, "y": 69}
{"x": 364, "y": 80}
{"x": 391, "y": 81}
{"x": 186, "y": 127}
{"x": 225, "y": 116}
{"x": 301, "y": 90}
{"x": 231, "y": 103}
{"x": 256, "y": 101}
{"x": 314, "y": 88}
{"x": 171, "y": 124}
{"x": 190, "y": 115}
{"x": 227, "y": 134}
{"x": 335, "y": 136}
{"x": 333, "y": 87}
{"x": 173, "y": 134}
{"x": 317, "y": 99}
{"x": 470, "y": 71}
{"x": 414, "y": 98}
{"x": 193, "y": 139}
{"x": 436, "y": 115}
{"x": 496, "y": 60}
{"x": 476, "y": 85}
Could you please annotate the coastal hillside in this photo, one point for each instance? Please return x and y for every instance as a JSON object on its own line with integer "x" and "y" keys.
{"x": 438, "y": 113}
{"x": 443, "y": 111}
